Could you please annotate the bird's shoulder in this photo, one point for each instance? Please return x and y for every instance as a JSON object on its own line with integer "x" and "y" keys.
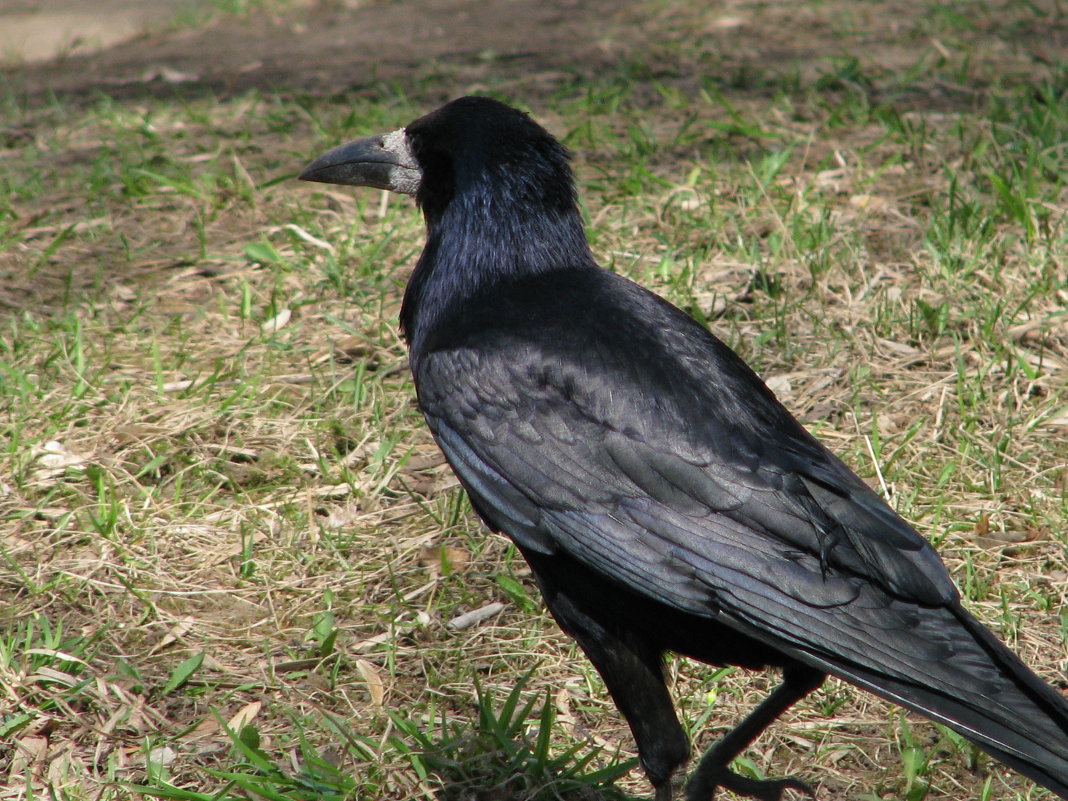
{"x": 601, "y": 342}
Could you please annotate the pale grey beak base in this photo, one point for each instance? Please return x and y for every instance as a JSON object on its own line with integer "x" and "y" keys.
{"x": 383, "y": 162}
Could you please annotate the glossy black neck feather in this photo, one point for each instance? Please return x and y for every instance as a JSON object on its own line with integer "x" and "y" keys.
{"x": 493, "y": 215}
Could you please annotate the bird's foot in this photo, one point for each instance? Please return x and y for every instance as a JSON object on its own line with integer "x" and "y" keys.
{"x": 702, "y": 786}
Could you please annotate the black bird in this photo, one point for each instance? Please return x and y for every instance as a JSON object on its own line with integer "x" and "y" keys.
{"x": 664, "y": 499}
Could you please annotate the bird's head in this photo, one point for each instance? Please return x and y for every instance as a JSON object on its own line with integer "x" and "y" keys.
{"x": 474, "y": 148}
{"x": 497, "y": 194}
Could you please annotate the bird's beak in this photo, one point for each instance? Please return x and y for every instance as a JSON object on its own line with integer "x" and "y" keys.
{"x": 383, "y": 162}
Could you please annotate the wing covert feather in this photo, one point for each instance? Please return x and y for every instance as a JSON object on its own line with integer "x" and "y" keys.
{"x": 557, "y": 441}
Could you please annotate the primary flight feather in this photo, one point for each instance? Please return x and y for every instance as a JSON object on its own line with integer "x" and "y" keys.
{"x": 663, "y": 497}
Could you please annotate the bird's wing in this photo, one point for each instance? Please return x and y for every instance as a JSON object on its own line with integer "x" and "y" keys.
{"x": 535, "y": 425}
{"x": 755, "y": 541}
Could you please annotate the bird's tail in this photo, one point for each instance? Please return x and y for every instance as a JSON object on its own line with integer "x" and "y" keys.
{"x": 984, "y": 692}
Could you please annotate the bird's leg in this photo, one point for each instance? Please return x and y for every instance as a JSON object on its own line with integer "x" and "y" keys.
{"x": 635, "y": 680}
{"x": 665, "y": 792}
{"x": 713, "y": 772}
{"x": 632, "y": 670}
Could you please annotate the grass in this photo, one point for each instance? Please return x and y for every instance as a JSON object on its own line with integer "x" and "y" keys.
{"x": 232, "y": 557}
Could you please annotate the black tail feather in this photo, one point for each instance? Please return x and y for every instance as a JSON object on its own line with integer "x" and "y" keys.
{"x": 1024, "y": 725}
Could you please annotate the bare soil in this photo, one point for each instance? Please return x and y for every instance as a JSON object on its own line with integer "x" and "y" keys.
{"x": 442, "y": 48}
{"x": 326, "y": 49}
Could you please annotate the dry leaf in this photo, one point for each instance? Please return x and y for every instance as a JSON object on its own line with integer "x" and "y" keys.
{"x": 53, "y": 459}
{"x": 204, "y": 730}
{"x": 433, "y": 556}
{"x": 179, "y": 629}
{"x": 277, "y": 323}
{"x": 363, "y": 646}
{"x": 563, "y": 706}
{"x": 161, "y": 756}
{"x": 374, "y": 681}
{"x": 29, "y": 750}
{"x": 244, "y": 716}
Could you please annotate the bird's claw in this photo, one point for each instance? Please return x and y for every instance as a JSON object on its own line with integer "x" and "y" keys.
{"x": 703, "y": 787}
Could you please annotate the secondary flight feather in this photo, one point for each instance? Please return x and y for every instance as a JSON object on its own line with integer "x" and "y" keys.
{"x": 663, "y": 497}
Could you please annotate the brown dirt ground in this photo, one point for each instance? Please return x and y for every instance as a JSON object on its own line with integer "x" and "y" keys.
{"x": 324, "y": 49}
{"x": 441, "y": 48}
